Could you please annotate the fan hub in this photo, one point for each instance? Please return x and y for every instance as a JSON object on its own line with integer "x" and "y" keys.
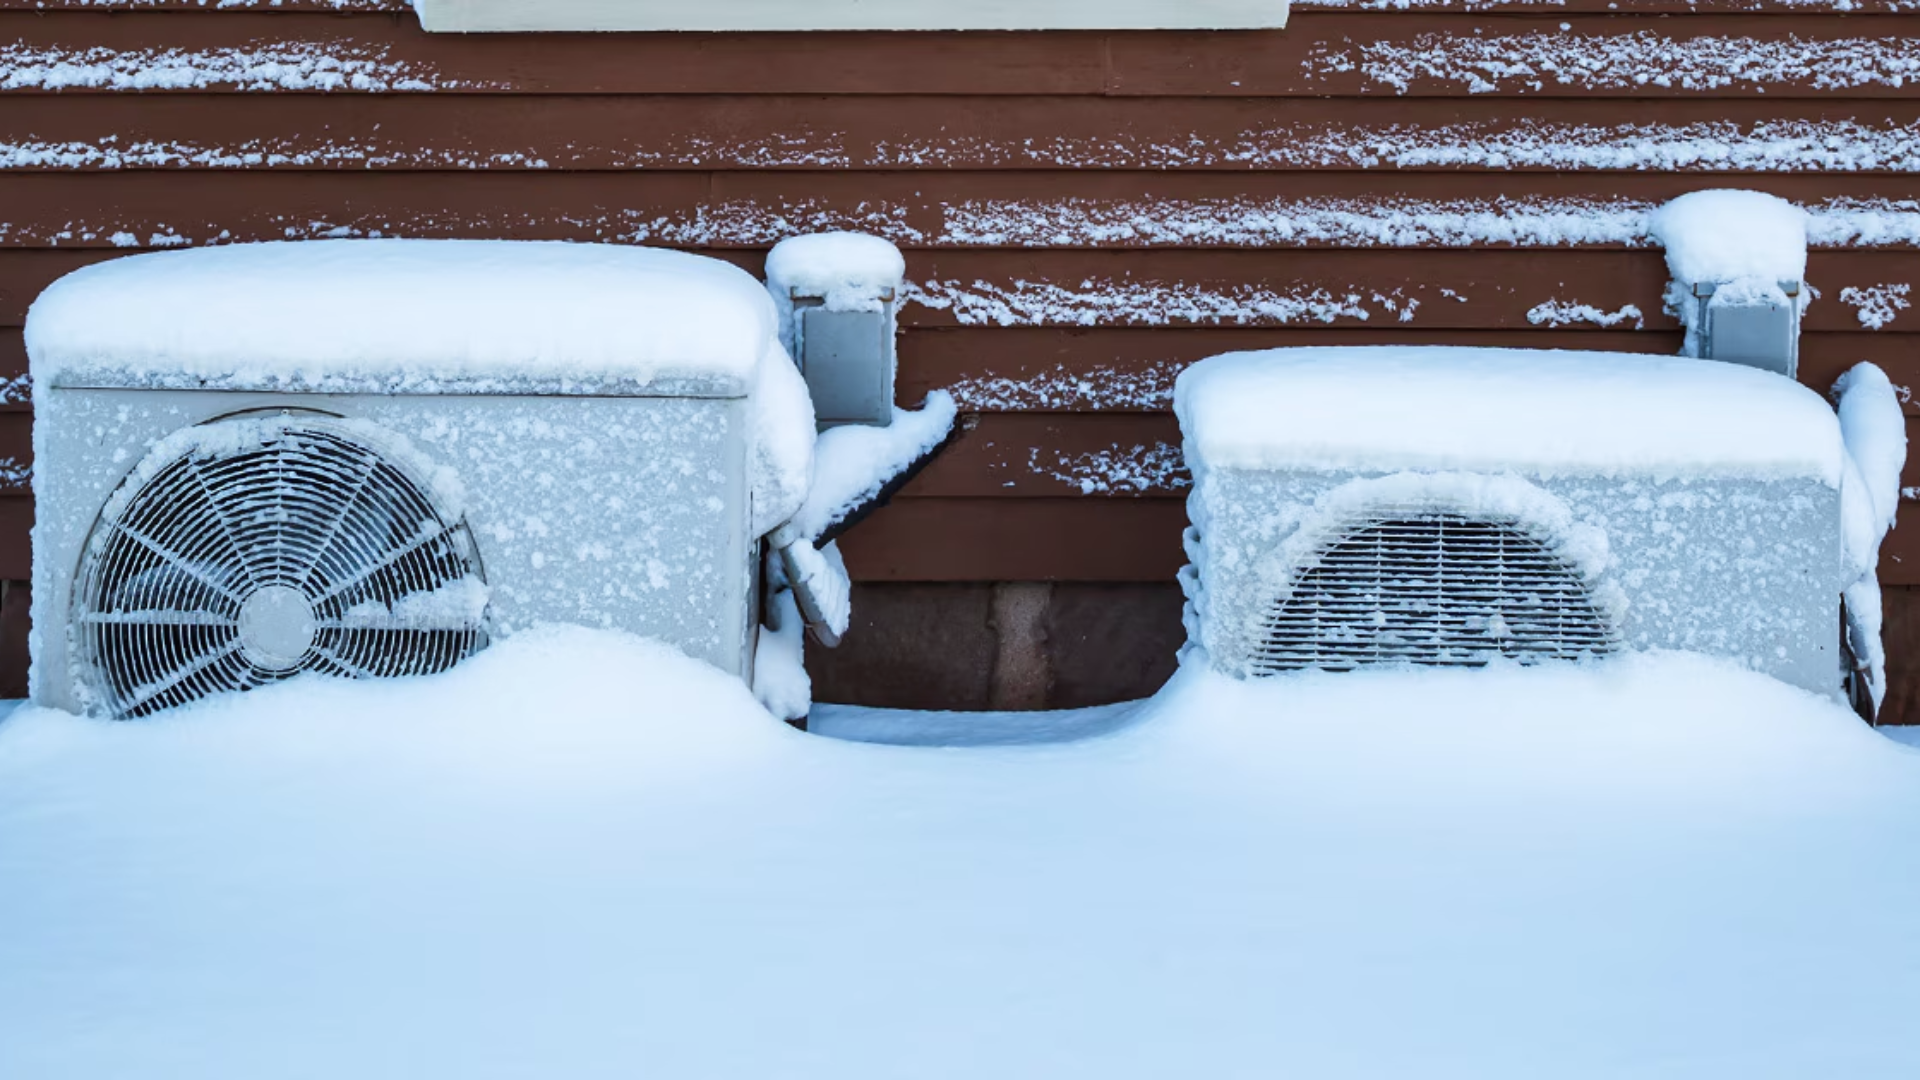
{"x": 276, "y": 627}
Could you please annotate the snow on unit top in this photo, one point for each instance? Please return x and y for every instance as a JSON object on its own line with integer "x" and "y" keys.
{"x": 407, "y": 316}
{"x": 1544, "y": 412}
{"x": 849, "y": 271}
{"x": 1732, "y": 236}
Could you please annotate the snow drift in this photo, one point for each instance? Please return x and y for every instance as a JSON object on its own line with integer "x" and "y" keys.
{"x": 626, "y": 866}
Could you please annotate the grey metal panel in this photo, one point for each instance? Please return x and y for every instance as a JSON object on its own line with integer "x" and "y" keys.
{"x": 1766, "y": 336}
{"x": 848, "y": 360}
{"x": 623, "y": 513}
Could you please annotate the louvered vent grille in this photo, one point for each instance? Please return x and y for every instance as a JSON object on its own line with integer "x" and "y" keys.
{"x": 1435, "y": 589}
{"x": 293, "y": 547}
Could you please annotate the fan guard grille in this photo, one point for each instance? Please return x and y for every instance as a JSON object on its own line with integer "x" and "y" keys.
{"x": 1435, "y": 588}
{"x": 266, "y": 548}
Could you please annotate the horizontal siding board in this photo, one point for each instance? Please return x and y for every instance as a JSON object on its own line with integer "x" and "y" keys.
{"x": 798, "y": 132}
{"x": 1062, "y": 209}
{"x": 1132, "y": 370}
{"x": 16, "y": 539}
{"x": 253, "y": 52}
{"x": 1018, "y": 540}
{"x": 1421, "y": 55}
{"x": 1035, "y": 455}
{"x": 1323, "y": 54}
{"x": 1119, "y": 370}
{"x": 1507, "y": 289}
{"x": 1424, "y": 290}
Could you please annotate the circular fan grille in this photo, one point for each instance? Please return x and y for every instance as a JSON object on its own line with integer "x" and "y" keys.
{"x": 264, "y": 548}
{"x": 1435, "y": 589}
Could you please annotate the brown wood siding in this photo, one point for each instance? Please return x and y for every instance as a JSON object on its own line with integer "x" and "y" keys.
{"x": 1083, "y": 213}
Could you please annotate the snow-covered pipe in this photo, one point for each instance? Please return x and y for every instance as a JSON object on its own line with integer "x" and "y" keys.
{"x": 1739, "y": 266}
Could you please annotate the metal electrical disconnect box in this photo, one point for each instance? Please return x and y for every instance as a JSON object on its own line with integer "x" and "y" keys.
{"x": 847, "y": 358}
{"x": 1766, "y": 336}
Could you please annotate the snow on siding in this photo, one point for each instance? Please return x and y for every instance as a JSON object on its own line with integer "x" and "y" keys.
{"x": 1117, "y": 470}
{"x": 1780, "y": 146}
{"x": 1230, "y": 222}
{"x": 1877, "y": 305}
{"x": 286, "y": 152}
{"x": 1715, "y": 145}
{"x": 1534, "y": 61}
{"x": 724, "y": 225}
{"x": 1242, "y": 222}
{"x": 1568, "y": 313}
{"x": 1071, "y": 389}
{"x": 1111, "y": 302}
{"x": 1249, "y": 222}
{"x": 18, "y": 389}
{"x": 264, "y": 66}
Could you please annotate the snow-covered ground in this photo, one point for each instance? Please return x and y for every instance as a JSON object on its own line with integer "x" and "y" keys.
{"x": 1654, "y": 867}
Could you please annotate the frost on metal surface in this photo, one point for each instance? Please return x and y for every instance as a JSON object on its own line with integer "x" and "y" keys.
{"x": 252, "y": 550}
{"x": 1543, "y": 6}
{"x": 1674, "y": 561}
{"x": 605, "y": 512}
{"x": 1699, "y": 503}
{"x": 1646, "y": 58}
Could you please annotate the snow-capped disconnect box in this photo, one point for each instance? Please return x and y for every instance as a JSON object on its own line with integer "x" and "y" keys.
{"x": 1739, "y": 265}
{"x": 1443, "y": 506}
{"x": 370, "y": 457}
{"x": 838, "y": 295}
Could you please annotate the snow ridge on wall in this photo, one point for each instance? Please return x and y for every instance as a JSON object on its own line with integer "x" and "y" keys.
{"x": 1713, "y": 145}
{"x": 1071, "y": 389}
{"x": 1568, "y": 313}
{"x": 1116, "y": 470}
{"x": 1109, "y": 302}
{"x": 1644, "y": 58}
{"x": 265, "y": 66}
{"x": 1775, "y": 146}
{"x": 1877, "y": 305}
{"x": 1042, "y": 222}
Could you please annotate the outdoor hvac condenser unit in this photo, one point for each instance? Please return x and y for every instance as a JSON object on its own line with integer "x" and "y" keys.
{"x": 367, "y": 458}
{"x": 1453, "y": 507}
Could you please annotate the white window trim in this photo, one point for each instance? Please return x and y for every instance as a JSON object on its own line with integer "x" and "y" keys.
{"x": 479, "y": 16}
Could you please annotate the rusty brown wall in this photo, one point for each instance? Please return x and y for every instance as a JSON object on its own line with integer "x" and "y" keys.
{"x": 1083, "y": 213}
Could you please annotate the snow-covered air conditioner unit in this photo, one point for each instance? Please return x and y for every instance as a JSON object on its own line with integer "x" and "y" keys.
{"x": 1451, "y": 507}
{"x": 369, "y": 457}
